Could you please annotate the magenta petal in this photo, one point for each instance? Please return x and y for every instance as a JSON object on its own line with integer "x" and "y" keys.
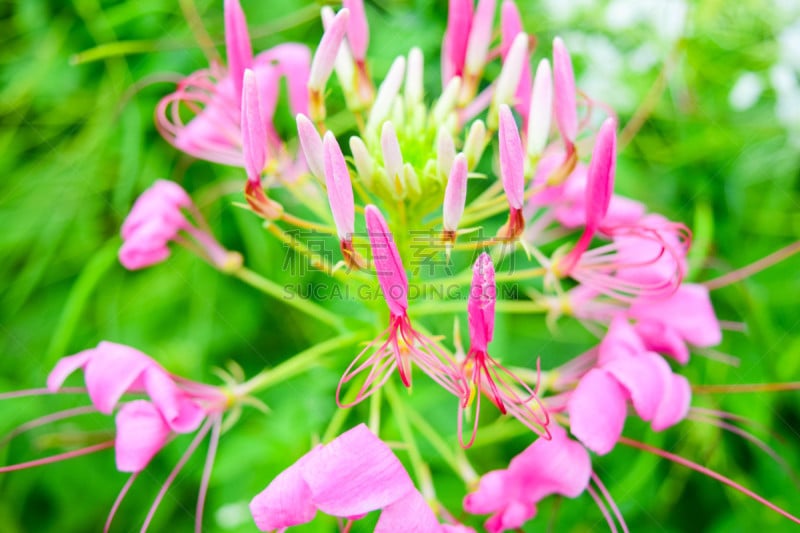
{"x": 662, "y": 339}
{"x": 355, "y": 474}
{"x": 66, "y": 366}
{"x": 388, "y": 265}
{"x": 674, "y": 404}
{"x": 454, "y": 49}
{"x": 600, "y": 177}
{"x": 512, "y": 159}
{"x": 254, "y": 133}
{"x": 325, "y": 56}
{"x": 564, "y": 97}
{"x": 455, "y": 194}
{"x": 182, "y": 414}
{"x": 688, "y": 311}
{"x": 481, "y": 303}
{"x": 357, "y": 28}
{"x": 112, "y": 371}
{"x": 597, "y": 410}
{"x": 340, "y": 189}
{"x": 287, "y": 501}
{"x": 141, "y": 433}
{"x": 237, "y": 43}
{"x": 409, "y": 513}
{"x": 621, "y": 341}
{"x": 645, "y": 380}
{"x": 495, "y": 490}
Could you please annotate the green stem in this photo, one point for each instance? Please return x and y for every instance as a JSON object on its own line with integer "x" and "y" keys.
{"x": 271, "y": 288}
{"x": 454, "y": 457}
{"x": 296, "y": 364}
{"x": 420, "y": 467}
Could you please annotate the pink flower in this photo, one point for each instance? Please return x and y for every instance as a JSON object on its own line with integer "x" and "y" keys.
{"x": 354, "y": 474}
{"x": 565, "y": 102}
{"x": 324, "y": 61}
{"x": 625, "y": 372}
{"x": 555, "y": 466}
{"x": 156, "y": 218}
{"x": 455, "y": 197}
{"x": 510, "y": 28}
{"x": 667, "y": 325}
{"x": 214, "y": 96}
{"x": 454, "y": 47}
{"x": 485, "y": 375}
{"x": 143, "y": 426}
{"x": 400, "y": 344}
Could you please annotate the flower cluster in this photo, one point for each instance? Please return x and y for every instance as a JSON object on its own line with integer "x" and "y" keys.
{"x": 527, "y": 163}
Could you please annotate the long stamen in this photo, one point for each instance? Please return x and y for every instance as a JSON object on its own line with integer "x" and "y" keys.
{"x": 121, "y": 496}
{"x": 753, "y": 268}
{"x": 710, "y": 473}
{"x": 212, "y": 452}
{"x": 40, "y": 392}
{"x": 603, "y": 509}
{"x": 172, "y": 475}
{"x": 611, "y": 503}
{"x": 746, "y": 388}
{"x": 60, "y": 457}
{"x": 43, "y": 420}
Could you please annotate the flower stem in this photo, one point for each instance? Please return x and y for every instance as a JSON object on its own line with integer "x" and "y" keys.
{"x": 271, "y": 288}
{"x": 296, "y": 364}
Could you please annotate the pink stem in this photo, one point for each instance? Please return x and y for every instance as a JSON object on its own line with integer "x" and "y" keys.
{"x": 602, "y": 506}
{"x": 172, "y": 475}
{"x": 59, "y": 457}
{"x": 710, "y": 473}
{"x": 611, "y": 502}
{"x": 121, "y": 496}
{"x": 212, "y": 453}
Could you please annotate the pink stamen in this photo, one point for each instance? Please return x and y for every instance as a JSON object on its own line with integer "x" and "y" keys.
{"x": 710, "y": 473}
{"x": 41, "y": 392}
{"x": 216, "y": 428}
{"x": 611, "y": 503}
{"x": 60, "y": 457}
{"x": 43, "y": 420}
{"x": 118, "y": 501}
{"x": 603, "y": 509}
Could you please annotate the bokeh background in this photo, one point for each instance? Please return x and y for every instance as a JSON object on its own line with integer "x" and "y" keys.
{"x": 710, "y": 88}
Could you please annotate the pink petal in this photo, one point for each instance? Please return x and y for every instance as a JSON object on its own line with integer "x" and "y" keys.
{"x": 597, "y": 411}
{"x": 287, "y": 501}
{"x": 293, "y": 61}
{"x": 340, "y": 189}
{"x": 481, "y": 303}
{"x": 325, "y": 56}
{"x": 556, "y": 466}
{"x": 512, "y": 159}
{"x": 312, "y": 146}
{"x": 510, "y": 27}
{"x": 600, "y": 178}
{"x": 541, "y": 108}
{"x": 621, "y": 341}
{"x": 357, "y": 28}
{"x": 112, "y": 371}
{"x": 355, "y": 474}
{"x": 688, "y": 311}
{"x": 480, "y": 37}
{"x": 455, "y": 193}
{"x": 141, "y": 433}
{"x": 662, "y": 339}
{"x": 410, "y": 513}
{"x": 496, "y": 489}
{"x": 181, "y": 414}
{"x": 388, "y": 265}
{"x": 565, "y": 105}
{"x": 459, "y": 22}
{"x": 674, "y": 404}
{"x": 645, "y": 379}
{"x": 254, "y": 135}
{"x": 66, "y": 366}
{"x": 237, "y": 43}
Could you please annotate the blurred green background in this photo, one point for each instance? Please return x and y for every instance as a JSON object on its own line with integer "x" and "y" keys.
{"x": 716, "y": 84}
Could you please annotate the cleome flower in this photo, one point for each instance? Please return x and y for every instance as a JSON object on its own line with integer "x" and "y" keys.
{"x": 400, "y": 344}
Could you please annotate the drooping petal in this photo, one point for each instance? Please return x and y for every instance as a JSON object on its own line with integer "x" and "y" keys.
{"x": 597, "y": 410}
{"x": 340, "y": 189}
{"x": 674, "y": 404}
{"x": 354, "y": 474}
{"x": 512, "y": 159}
{"x": 621, "y": 341}
{"x": 179, "y": 412}
{"x": 481, "y": 303}
{"x": 237, "y": 43}
{"x": 141, "y": 433}
{"x": 644, "y": 378}
{"x": 600, "y": 178}
{"x": 688, "y": 311}
{"x": 565, "y": 101}
{"x": 658, "y": 337}
{"x": 495, "y": 490}
{"x": 409, "y": 513}
{"x": 112, "y": 371}
{"x": 455, "y": 194}
{"x": 66, "y": 366}
{"x": 293, "y": 62}
{"x": 287, "y": 500}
